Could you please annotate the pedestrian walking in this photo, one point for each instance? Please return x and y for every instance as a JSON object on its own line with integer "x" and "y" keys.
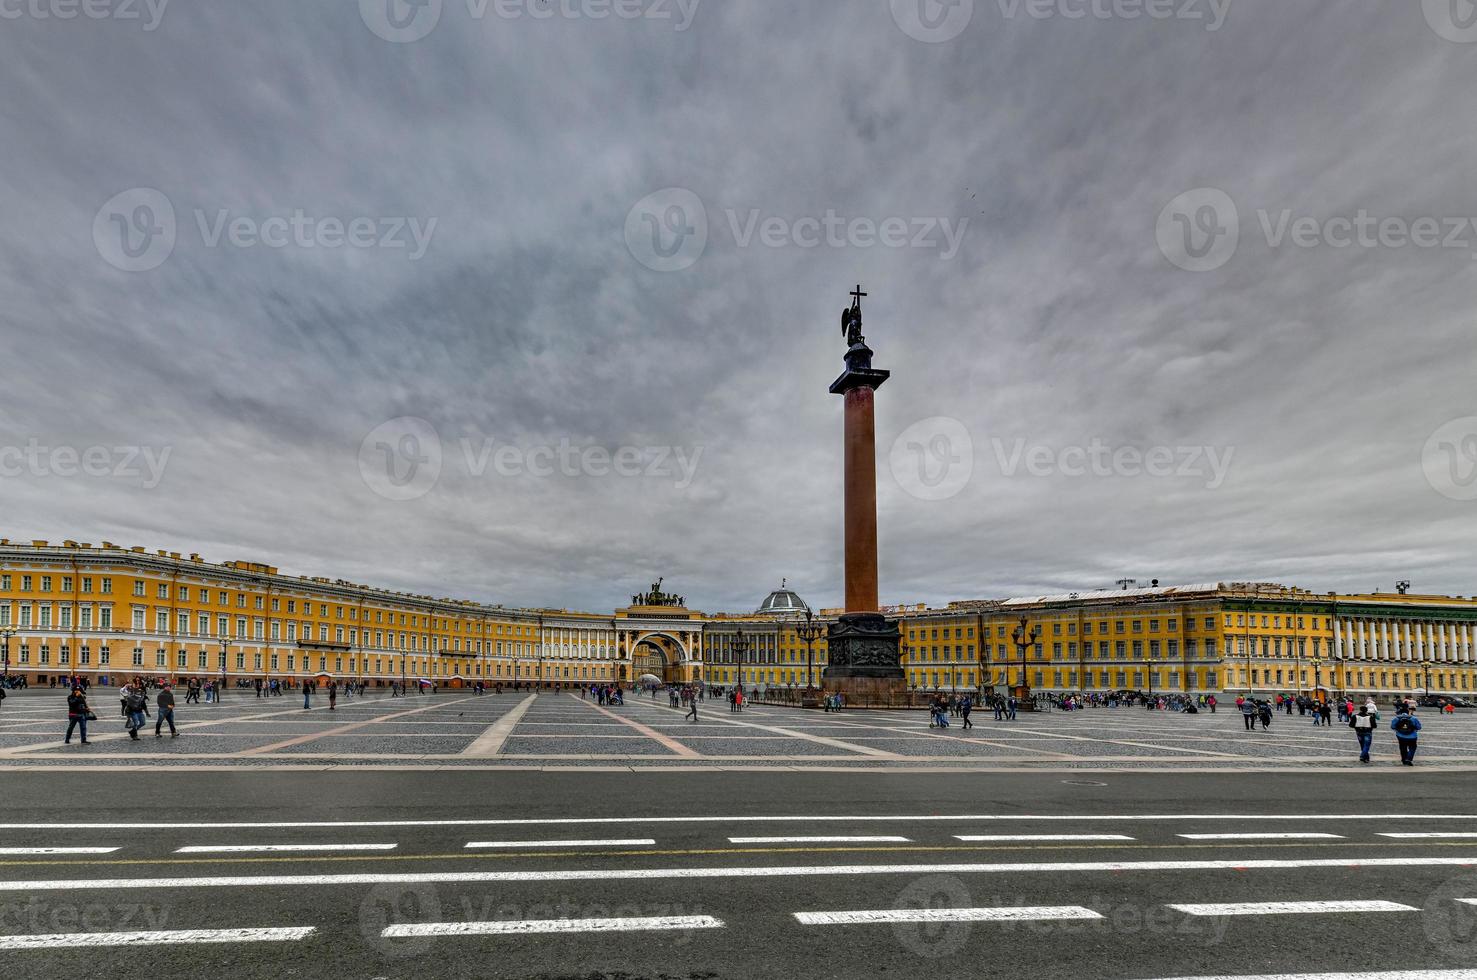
{"x": 165, "y": 703}
{"x": 77, "y": 714}
{"x": 307, "y": 694}
{"x": 1363, "y": 724}
{"x": 966, "y": 705}
{"x": 1248, "y": 714}
{"x": 136, "y": 705}
{"x": 1407, "y": 729}
{"x": 691, "y": 709}
{"x": 332, "y": 695}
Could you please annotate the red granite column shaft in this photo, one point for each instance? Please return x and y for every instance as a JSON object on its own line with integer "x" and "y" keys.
{"x": 861, "y": 501}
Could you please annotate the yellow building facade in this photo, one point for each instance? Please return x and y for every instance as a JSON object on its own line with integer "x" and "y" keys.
{"x": 111, "y": 612}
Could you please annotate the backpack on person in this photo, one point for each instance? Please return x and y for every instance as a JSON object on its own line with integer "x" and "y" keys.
{"x": 1405, "y": 726}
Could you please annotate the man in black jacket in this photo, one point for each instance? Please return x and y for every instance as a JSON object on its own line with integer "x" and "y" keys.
{"x": 165, "y": 701}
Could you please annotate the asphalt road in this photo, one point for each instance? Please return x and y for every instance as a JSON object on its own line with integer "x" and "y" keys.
{"x": 560, "y": 855}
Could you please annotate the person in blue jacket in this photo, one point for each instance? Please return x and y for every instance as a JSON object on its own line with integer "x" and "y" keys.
{"x": 1407, "y": 728}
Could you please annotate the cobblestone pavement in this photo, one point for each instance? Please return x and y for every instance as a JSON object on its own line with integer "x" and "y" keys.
{"x": 559, "y": 730}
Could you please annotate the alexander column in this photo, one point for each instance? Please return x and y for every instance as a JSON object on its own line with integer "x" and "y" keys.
{"x": 863, "y": 659}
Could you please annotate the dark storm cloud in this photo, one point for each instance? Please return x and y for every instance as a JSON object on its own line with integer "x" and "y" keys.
{"x": 1010, "y": 170}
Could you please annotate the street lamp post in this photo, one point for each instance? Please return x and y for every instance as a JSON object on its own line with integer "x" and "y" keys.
{"x": 810, "y": 632}
{"x": 1025, "y": 636}
{"x": 225, "y": 651}
{"x": 740, "y": 654}
{"x": 5, "y": 635}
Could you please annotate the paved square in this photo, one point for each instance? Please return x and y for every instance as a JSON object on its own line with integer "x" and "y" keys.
{"x": 566, "y": 730}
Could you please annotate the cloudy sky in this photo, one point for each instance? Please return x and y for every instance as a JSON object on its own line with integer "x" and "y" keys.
{"x": 533, "y": 302}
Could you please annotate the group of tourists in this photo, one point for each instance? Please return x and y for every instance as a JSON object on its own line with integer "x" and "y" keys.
{"x": 1364, "y": 719}
{"x": 133, "y": 705}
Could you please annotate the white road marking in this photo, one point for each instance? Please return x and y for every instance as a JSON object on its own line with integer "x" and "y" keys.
{"x": 1291, "y": 908}
{"x": 56, "y": 850}
{"x": 819, "y": 840}
{"x": 1400, "y": 972}
{"x": 534, "y": 926}
{"x": 1435, "y": 836}
{"x": 1260, "y": 836}
{"x": 1003, "y": 838}
{"x": 490, "y": 743}
{"x": 68, "y": 940}
{"x": 634, "y": 842}
{"x": 1019, "y": 914}
{"x": 807, "y": 818}
{"x": 267, "y": 848}
{"x": 627, "y": 874}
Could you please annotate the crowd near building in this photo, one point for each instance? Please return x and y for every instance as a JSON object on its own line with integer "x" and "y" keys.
{"x": 107, "y": 613}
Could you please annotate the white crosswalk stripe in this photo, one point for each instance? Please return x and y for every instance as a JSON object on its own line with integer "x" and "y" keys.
{"x": 1291, "y": 908}
{"x": 535, "y": 926}
{"x": 1005, "y": 838}
{"x": 1254, "y": 836}
{"x": 270, "y": 848}
{"x": 632, "y": 842}
{"x": 819, "y": 840}
{"x": 1391, "y": 974}
{"x": 69, "y": 940}
{"x": 1008, "y": 914}
{"x": 9, "y": 851}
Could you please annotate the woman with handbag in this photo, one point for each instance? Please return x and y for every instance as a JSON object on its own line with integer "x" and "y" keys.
{"x": 77, "y": 714}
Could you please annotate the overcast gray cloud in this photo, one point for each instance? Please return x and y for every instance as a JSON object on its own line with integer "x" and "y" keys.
{"x": 1158, "y": 284}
